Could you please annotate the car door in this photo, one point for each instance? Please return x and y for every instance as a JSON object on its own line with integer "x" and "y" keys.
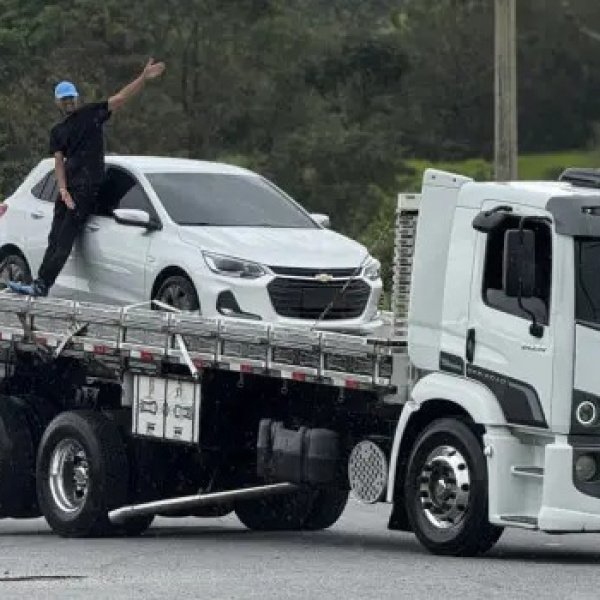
{"x": 39, "y": 212}
{"x": 113, "y": 256}
{"x": 501, "y": 351}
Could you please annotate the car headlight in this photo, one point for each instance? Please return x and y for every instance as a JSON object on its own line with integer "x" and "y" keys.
{"x": 233, "y": 267}
{"x": 372, "y": 270}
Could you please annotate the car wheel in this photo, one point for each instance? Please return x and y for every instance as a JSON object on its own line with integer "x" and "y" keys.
{"x": 14, "y": 268}
{"x": 179, "y": 292}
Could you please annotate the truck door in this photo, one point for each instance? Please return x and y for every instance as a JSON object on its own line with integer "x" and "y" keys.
{"x": 500, "y": 350}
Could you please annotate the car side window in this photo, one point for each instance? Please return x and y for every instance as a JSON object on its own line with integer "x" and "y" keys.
{"x": 45, "y": 189}
{"x": 493, "y": 291}
{"x": 120, "y": 190}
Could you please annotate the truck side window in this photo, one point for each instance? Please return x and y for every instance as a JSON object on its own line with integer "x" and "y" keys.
{"x": 493, "y": 292}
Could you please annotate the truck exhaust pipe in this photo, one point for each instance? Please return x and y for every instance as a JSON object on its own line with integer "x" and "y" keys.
{"x": 120, "y": 515}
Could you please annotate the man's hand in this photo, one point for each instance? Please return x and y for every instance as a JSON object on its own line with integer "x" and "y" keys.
{"x": 152, "y": 70}
{"x": 66, "y": 198}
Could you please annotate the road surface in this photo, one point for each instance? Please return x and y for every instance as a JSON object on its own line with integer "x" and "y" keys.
{"x": 356, "y": 559}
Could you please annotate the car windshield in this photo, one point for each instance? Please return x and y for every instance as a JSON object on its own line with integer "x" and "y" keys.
{"x": 226, "y": 200}
{"x": 587, "y": 296}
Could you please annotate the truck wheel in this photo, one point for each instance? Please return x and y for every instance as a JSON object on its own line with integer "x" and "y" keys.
{"x": 82, "y": 473}
{"x": 327, "y": 507}
{"x": 446, "y": 491}
{"x": 286, "y": 512}
{"x": 17, "y": 462}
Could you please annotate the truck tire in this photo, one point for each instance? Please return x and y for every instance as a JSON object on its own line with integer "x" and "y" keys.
{"x": 327, "y": 507}
{"x": 82, "y": 473}
{"x": 17, "y": 462}
{"x": 285, "y": 512}
{"x": 446, "y": 491}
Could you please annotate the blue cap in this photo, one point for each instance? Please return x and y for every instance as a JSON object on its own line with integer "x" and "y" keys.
{"x": 65, "y": 89}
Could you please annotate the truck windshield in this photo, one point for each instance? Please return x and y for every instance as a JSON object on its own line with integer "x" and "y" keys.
{"x": 587, "y": 281}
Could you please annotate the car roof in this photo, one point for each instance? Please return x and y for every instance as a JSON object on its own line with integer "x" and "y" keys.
{"x": 161, "y": 164}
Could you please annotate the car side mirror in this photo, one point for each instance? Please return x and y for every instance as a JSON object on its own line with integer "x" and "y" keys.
{"x": 518, "y": 276}
{"x": 135, "y": 218}
{"x": 322, "y": 220}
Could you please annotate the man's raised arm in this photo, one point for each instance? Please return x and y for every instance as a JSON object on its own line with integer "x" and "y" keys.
{"x": 151, "y": 71}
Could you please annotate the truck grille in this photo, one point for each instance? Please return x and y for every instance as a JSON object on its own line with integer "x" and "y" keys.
{"x": 304, "y": 299}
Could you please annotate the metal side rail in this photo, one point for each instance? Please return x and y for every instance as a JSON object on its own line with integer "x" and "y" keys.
{"x": 120, "y": 515}
{"x": 122, "y": 338}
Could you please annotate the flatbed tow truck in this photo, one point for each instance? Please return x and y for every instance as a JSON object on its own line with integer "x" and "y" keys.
{"x": 481, "y": 412}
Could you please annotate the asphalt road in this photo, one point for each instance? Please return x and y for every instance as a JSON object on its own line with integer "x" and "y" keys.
{"x": 356, "y": 559}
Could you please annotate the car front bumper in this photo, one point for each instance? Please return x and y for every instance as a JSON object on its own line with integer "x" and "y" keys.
{"x": 254, "y": 301}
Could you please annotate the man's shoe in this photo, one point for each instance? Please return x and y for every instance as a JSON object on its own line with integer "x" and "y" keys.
{"x": 28, "y": 289}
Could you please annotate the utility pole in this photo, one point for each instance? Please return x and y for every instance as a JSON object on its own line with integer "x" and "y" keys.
{"x": 505, "y": 91}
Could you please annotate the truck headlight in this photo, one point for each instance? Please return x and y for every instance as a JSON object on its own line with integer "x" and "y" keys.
{"x": 372, "y": 269}
{"x": 233, "y": 267}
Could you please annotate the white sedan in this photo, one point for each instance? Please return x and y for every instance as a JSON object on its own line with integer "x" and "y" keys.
{"x": 199, "y": 236}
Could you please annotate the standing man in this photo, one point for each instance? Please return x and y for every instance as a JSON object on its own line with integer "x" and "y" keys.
{"x": 77, "y": 143}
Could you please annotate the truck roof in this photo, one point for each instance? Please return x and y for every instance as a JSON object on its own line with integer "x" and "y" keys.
{"x": 528, "y": 193}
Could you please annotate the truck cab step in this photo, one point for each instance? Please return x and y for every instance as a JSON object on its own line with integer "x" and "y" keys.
{"x": 536, "y": 472}
{"x": 520, "y": 521}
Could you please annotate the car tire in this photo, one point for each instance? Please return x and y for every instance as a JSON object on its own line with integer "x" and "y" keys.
{"x": 14, "y": 267}
{"x": 179, "y": 292}
{"x": 82, "y": 473}
{"x": 446, "y": 491}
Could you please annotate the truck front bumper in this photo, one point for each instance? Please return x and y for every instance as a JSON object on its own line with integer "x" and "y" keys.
{"x": 564, "y": 506}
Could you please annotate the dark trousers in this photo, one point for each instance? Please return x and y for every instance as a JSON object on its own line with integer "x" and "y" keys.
{"x": 67, "y": 224}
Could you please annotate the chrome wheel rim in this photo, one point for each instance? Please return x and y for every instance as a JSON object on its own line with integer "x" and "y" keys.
{"x": 445, "y": 487}
{"x": 69, "y": 475}
{"x": 176, "y": 296}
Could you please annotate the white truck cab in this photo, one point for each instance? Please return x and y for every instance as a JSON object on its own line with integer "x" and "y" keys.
{"x": 502, "y": 318}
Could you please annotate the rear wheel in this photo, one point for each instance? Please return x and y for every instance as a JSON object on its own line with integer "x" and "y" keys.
{"x": 179, "y": 292}
{"x": 285, "y": 512}
{"x": 82, "y": 474}
{"x": 327, "y": 507}
{"x": 307, "y": 509}
{"x": 14, "y": 267}
{"x": 17, "y": 462}
{"x": 446, "y": 491}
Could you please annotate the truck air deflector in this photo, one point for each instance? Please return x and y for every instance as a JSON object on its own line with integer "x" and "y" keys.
{"x": 577, "y": 216}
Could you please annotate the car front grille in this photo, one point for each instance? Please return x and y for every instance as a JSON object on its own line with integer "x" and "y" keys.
{"x": 306, "y": 299}
{"x": 304, "y": 272}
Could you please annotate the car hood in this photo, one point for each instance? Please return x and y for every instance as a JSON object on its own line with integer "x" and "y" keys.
{"x": 283, "y": 247}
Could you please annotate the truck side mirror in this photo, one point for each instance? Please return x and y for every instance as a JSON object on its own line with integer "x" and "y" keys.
{"x": 518, "y": 276}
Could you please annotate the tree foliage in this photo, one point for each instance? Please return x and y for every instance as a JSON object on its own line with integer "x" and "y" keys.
{"x": 326, "y": 97}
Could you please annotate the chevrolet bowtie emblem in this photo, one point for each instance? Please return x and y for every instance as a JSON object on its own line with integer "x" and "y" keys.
{"x": 324, "y": 277}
